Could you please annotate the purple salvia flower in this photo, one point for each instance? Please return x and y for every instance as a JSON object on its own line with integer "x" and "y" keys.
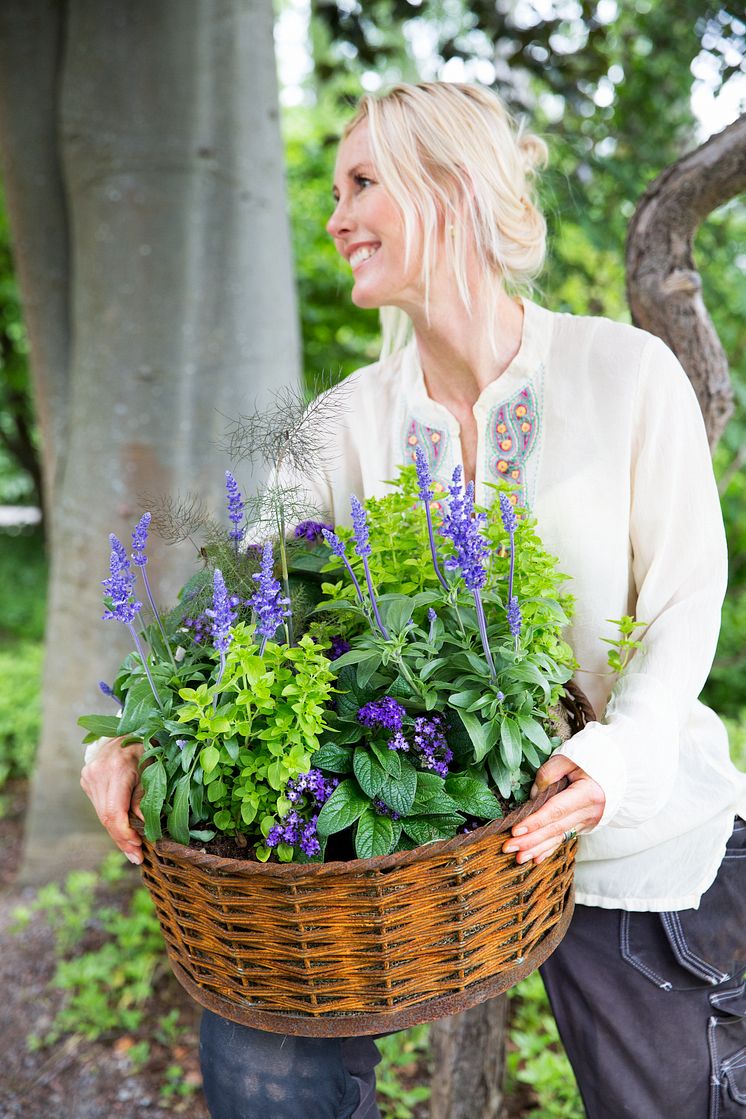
{"x": 139, "y": 542}
{"x": 425, "y": 484}
{"x": 106, "y": 690}
{"x": 463, "y": 527}
{"x": 337, "y": 548}
{"x": 432, "y": 617}
{"x": 267, "y": 604}
{"x": 235, "y": 507}
{"x": 514, "y": 618}
{"x": 140, "y": 539}
{"x": 510, "y": 523}
{"x": 221, "y": 614}
{"x": 364, "y": 549}
{"x": 385, "y": 712}
{"x": 121, "y": 603}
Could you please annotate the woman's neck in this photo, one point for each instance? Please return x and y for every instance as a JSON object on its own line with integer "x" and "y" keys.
{"x": 457, "y": 359}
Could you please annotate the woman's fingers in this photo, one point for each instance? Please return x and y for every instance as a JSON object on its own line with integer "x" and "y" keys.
{"x": 111, "y": 781}
{"x": 577, "y": 808}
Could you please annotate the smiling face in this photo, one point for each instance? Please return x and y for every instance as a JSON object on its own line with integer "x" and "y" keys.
{"x": 368, "y": 229}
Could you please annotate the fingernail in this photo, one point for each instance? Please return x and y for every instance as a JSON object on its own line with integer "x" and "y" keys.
{"x": 520, "y": 831}
{"x": 133, "y": 858}
{"x": 509, "y": 848}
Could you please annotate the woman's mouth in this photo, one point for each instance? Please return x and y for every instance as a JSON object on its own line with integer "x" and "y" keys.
{"x": 359, "y": 256}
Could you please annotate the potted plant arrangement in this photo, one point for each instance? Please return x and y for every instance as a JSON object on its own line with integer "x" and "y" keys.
{"x": 340, "y": 725}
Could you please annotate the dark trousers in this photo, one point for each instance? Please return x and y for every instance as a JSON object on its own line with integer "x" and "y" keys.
{"x": 651, "y": 1007}
{"x": 249, "y": 1074}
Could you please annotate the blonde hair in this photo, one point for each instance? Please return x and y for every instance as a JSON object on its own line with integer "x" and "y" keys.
{"x": 451, "y": 157}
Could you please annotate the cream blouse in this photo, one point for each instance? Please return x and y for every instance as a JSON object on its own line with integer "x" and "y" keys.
{"x": 598, "y": 424}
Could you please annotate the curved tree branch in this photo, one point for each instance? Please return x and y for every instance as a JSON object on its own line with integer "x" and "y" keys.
{"x": 664, "y": 288}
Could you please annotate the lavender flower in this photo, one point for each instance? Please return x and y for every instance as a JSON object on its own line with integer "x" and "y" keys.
{"x": 385, "y": 712}
{"x": 364, "y": 549}
{"x": 310, "y": 530}
{"x": 106, "y": 690}
{"x": 507, "y": 513}
{"x": 235, "y": 506}
{"x": 269, "y": 608}
{"x": 425, "y": 484}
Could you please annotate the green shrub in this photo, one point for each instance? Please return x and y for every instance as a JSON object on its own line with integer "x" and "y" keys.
{"x": 23, "y": 581}
{"x": 20, "y": 708}
{"x": 536, "y": 1056}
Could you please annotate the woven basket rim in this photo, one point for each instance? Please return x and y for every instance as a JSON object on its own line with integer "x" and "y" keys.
{"x": 169, "y": 848}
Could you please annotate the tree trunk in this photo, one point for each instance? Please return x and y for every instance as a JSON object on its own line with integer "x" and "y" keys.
{"x": 164, "y": 118}
{"x": 664, "y": 288}
{"x": 468, "y": 1053}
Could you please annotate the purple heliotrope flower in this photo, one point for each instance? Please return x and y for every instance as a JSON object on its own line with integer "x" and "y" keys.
{"x": 310, "y": 530}
{"x": 235, "y": 506}
{"x": 339, "y": 647}
{"x": 296, "y": 832}
{"x": 269, "y": 607}
{"x": 382, "y": 809}
{"x": 385, "y": 712}
{"x": 430, "y": 743}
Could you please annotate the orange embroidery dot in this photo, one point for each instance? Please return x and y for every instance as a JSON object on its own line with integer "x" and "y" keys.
{"x": 521, "y": 410}
{"x": 525, "y": 426}
{"x": 412, "y": 440}
{"x": 502, "y": 465}
{"x": 501, "y": 428}
{"x": 506, "y": 444}
{"x": 515, "y": 474}
{"x": 435, "y": 437}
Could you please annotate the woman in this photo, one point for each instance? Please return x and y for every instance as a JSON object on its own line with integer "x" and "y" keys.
{"x": 598, "y": 426}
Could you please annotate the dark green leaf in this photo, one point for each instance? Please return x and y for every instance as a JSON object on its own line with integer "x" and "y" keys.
{"x": 374, "y": 835}
{"x": 103, "y": 726}
{"x": 500, "y": 774}
{"x": 343, "y": 807}
{"x": 178, "y": 817}
{"x": 398, "y": 792}
{"x": 510, "y": 737}
{"x": 396, "y": 610}
{"x": 473, "y": 797}
{"x": 483, "y": 735}
{"x": 153, "y": 779}
{"x": 389, "y": 759}
{"x": 369, "y": 772}
{"x": 425, "y": 829}
{"x": 334, "y": 758}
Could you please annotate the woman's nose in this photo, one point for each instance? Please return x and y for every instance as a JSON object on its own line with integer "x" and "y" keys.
{"x": 340, "y": 221}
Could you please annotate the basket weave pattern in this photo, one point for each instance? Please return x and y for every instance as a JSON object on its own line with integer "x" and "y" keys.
{"x": 363, "y": 946}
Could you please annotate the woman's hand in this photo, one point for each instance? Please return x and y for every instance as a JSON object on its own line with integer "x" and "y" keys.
{"x": 577, "y": 808}
{"x": 111, "y": 781}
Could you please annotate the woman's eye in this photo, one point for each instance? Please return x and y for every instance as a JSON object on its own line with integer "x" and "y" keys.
{"x": 362, "y": 181}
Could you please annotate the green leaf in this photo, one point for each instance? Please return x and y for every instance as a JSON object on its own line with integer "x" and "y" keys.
{"x": 209, "y": 758}
{"x": 103, "y": 726}
{"x": 510, "y": 737}
{"x": 374, "y": 835}
{"x": 425, "y": 829}
{"x": 500, "y": 774}
{"x": 399, "y": 792}
{"x": 396, "y": 610}
{"x": 534, "y": 731}
{"x": 389, "y": 759}
{"x": 344, "y": 806}
{"x": 334, "y": 758}
{"x": 153, "y": 779}
{"x": 178, "y": 817}
{"x": 368, "y": 668}
{"x": 369, "y": 772}
{"x": 465, "y": 698}
{"x": 473, "y": 797}
{"x": 483, "y": 735}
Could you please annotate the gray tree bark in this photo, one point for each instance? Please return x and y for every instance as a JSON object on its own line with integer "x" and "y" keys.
{"x": 664, "y": 288}
{"x": 143, "y": 161}
{"x": 468, "y": 1054}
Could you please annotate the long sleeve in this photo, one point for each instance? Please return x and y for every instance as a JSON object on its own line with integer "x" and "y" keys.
{"x": 679, "y": 568}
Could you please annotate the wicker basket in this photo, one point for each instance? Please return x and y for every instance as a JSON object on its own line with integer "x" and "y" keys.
{"x": 366, "y": 946}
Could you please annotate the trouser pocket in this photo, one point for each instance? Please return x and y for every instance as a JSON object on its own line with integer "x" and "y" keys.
{"x": 726, "y": 1036}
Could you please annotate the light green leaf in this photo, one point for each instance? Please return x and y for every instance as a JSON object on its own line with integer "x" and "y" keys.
{"x": 209, "y": 758}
